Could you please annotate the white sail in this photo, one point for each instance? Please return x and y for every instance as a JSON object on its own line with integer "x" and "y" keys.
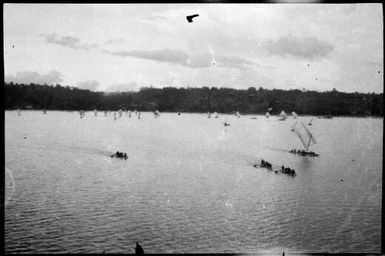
{"x": 283, "y": 114}
{"x": 304, "y": 135}
{"x": 294, "y": 114}
{"x": 267, "y": 115}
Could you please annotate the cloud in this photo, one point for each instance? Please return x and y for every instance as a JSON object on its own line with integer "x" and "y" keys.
{"x": 171, "y": 56}
{"x": 155, "y": 18}
{"x": 88, "y": 85}
{"x": 306, "y": 48}
{"x": 196, "y": 60}
{"x": 234, "y": 61}
{"x": 67, "y": 41}
{"x": 114, "y": 41}
{"x": 34, "y": 77}
{"x": 123, "y": 87}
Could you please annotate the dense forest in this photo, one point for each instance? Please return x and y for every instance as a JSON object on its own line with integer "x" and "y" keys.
{"x": 169, "y": 99}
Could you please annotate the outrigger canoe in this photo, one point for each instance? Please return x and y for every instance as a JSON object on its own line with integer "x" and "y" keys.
{"x": 304, "y": 153}
{"x": 274, "y": 168}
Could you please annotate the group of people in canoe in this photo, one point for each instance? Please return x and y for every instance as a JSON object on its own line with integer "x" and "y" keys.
{"x": 266, "y": 164}
{"x": 287, "y": 170}
{"x": 120, "y": 155}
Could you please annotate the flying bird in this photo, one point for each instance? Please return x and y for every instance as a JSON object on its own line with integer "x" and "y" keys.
{"x": 190, "y": 18}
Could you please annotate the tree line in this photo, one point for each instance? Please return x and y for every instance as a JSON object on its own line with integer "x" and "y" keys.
{"x": 170, "y": 99}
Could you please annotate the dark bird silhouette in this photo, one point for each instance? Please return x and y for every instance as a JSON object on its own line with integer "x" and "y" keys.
{"x": 139, "y": 249}
{"x": 190, "y": 17}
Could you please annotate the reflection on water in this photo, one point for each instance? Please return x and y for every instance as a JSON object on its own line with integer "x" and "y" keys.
{"x": 188, "y": 184}
{"x": 305, "y": 163}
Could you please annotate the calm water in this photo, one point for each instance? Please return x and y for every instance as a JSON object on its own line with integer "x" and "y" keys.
{"x": 188, "y": 184}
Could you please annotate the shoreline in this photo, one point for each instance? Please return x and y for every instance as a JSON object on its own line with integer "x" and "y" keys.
{"x": 176, "y": 112}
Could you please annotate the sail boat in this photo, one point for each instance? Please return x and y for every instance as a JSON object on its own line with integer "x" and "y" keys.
{"x": 283, "y": 116}
{"x": 294, "y": 115}
{"x": 306, "y": 137}
{"x": 267, "y": 115}
{"x": 310, "y": 122}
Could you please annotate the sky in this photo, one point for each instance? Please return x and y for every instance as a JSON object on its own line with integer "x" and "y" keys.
{"x": 123, "y": 47}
